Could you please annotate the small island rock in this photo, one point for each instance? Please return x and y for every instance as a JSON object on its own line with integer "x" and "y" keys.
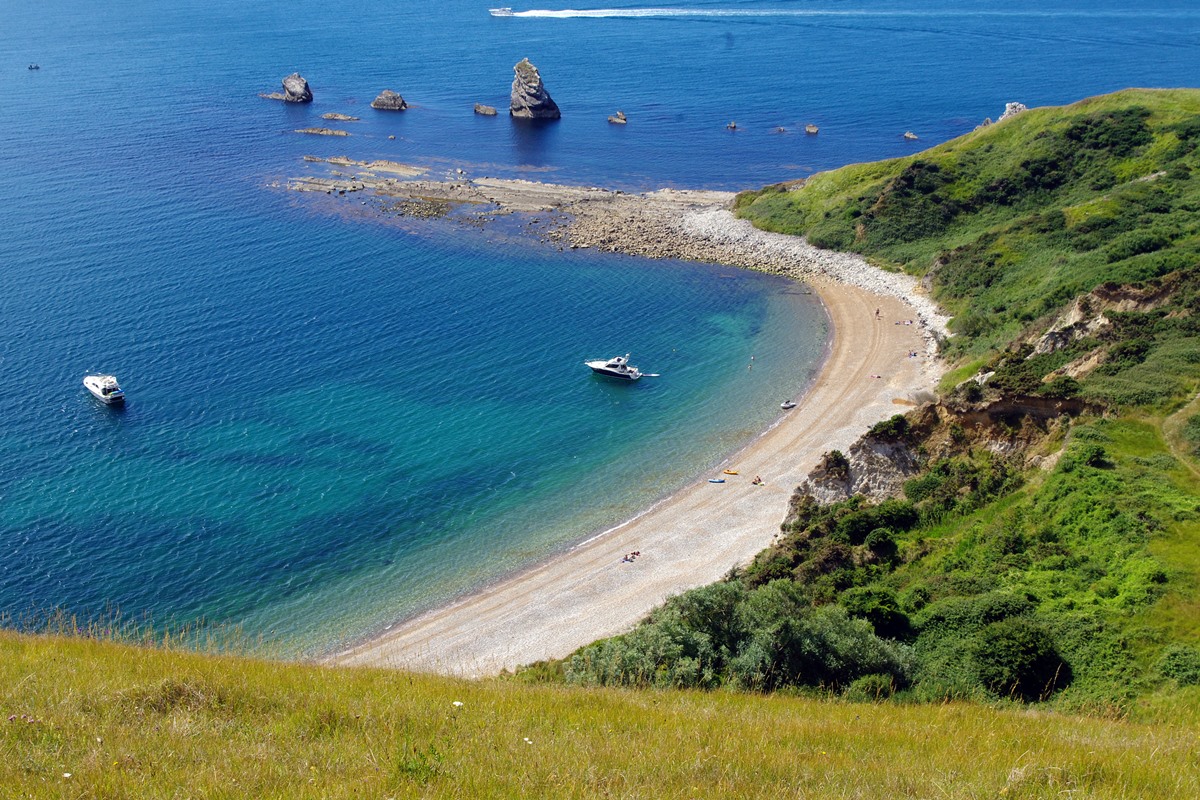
{"x": 910, "y": 136}
{"x": 295, "y": 90}
{"x": 487, "y": 111}
{"x": 389, "y": 101}
{"x": 618, "y": 118}
{"x": 529, "y": 99}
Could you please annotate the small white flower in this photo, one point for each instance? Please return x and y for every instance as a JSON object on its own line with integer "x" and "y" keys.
{"x": 457, "y": 704}
{"x": 528, "y": 740}
{"x": 66, "y": 774}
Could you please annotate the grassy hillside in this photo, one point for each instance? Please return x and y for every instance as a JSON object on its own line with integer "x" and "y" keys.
{"x": 1014, "y": 220}
{"x": 1048, "y": 547}
{"x": 124, "y": 722}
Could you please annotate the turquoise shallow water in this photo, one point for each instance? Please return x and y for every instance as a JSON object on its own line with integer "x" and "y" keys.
{"x": 334, "y": 423}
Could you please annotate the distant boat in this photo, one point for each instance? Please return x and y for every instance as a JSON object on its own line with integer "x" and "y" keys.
{"x": 34, "y": 66}
{"x": 787, "y": 404}
{"x": 105, "y": 389}
{"x": 501, "y": 12}
{"x": 811, "y": 129}
{"x": 616, "y": 367}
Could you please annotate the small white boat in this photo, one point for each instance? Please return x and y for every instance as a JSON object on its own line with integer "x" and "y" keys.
{"x": 616, "y": 367}
{"x": 787, "y": 405}
{"x": 105, "y": 388}
{"x": 501, "y": 12}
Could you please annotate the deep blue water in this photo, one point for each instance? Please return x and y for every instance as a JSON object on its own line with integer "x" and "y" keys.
{"x": 335, "y": 422}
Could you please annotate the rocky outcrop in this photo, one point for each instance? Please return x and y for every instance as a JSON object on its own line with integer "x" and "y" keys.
{"x": 389, "y": 101}
{"x": 1011, "y": 110}
{"x": 618, "y": 118}
{"x": 485, "y": 111}
{"x": 339, "y": 117}
{"x": 295, "y": 90}
{"x": 910, "y": 136}
{"x": 322, "y": 131}
{"x": 529, "y": 99}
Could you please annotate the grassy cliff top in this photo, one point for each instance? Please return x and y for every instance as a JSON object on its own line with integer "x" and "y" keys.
{"x": 1011, "y": 221}
{"x": 129, "y": 722}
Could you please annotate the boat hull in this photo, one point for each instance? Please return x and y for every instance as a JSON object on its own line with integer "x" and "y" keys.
{"x": 112, "y": 397}
{"x": 620, "y": 376}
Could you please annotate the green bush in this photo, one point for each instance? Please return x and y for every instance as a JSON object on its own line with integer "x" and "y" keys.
{"x": 871, "y": 688}
{"x": 1015, "y": 658}
{"x": 894, "y": 429}
{"x": 1181, "y": 662}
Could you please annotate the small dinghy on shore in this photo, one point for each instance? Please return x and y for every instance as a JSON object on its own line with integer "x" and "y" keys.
{"x": 787, "y": 405}
{"x": 716, "y": 480}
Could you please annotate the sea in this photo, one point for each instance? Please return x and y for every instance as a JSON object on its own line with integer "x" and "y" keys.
{"x": 339, "y": 418}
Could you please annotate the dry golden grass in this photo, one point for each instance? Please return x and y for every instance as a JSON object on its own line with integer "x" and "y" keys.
{"x": 125, "y": 722}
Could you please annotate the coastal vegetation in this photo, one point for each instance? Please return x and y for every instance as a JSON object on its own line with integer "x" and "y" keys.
{"x": 93, "y": 718}
{"x": 1046, "y": 550}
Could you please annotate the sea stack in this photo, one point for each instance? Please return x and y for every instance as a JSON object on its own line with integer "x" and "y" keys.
{"x": 389, "y": 101}
{"x": 295, "y": 90}
{"x": 530, "y": 100}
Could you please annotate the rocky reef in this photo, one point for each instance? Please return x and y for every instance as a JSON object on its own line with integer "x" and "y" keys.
{"x": 389, "y": 101}
{"x": 486, "y": 111}
{"x": 530, "y": 100}
{"x": 295, "y": 90}
{"x": 618, "y": 118}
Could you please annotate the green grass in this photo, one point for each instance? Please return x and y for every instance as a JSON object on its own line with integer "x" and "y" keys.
{"x": 1011, "y": 221}
{"x": 128, "y": 722}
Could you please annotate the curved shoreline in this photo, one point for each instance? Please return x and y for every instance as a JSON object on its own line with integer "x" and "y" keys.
{"x": 692, "y": 537}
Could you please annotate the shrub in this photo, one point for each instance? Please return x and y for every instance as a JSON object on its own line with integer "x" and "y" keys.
{"x": 871, "y": 688}
{"x": 879, "y": 607}
{"x": 1062, "y": 387}
{"x": 1182, "y": 663}
{"x": 893, "y": 429}
{"x": 1016, "y": 658}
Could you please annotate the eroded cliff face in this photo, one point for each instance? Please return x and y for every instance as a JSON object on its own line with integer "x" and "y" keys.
{"x": 529, "y": 99}
{"x": 878, "y": 464}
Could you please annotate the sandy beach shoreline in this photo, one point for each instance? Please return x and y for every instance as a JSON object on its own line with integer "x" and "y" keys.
{"x": 698, "y": 534}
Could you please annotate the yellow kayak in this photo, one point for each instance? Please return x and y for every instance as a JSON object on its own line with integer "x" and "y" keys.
{"x": 731, "y": 472}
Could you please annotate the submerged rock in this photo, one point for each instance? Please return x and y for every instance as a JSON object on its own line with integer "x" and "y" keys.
{"x": 295, "y": 90}
{"x": 339, "y": 117}
{"x": 322, "y": 131}
{"x": 910, "y": 136}
{"x": 529, "y": 99}
{"x": 389, "y": 101}
{"x": 487, "y": 111}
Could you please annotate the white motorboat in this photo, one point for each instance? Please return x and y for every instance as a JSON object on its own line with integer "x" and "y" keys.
{"x": 105, "y": 388}
{"x": 501, "y": 12}
{"x": 787, "y": 405}
{"x": 615, "y": 367}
